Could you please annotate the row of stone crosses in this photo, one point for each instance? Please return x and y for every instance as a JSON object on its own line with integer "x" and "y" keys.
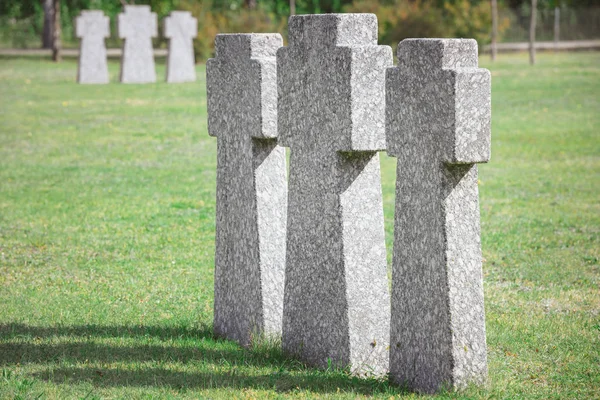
{"x": 137, "y": 25}
{"x": 305, "y": 258}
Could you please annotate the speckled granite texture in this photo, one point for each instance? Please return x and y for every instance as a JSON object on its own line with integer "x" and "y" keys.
{"x": 331, "y": 91}
{"x": 251, "y": 186}
{"x": 92, "y": 27}
{"x": 438, "y": 126}
{"x": 181, "y": 29}
{"x": 137, "y": 26}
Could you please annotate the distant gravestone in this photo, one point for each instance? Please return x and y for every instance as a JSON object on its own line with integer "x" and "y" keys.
{"x": 438, "y": 125}
{"x": 331, "y": 82}
{"x": 181, "y": 28}
{"x": 137, "y": 26}
{"x": 251, "y": 186}
{"x": 92, "y": 27}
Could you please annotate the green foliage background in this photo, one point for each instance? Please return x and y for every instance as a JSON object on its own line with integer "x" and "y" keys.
{"x": 21, "y": 21}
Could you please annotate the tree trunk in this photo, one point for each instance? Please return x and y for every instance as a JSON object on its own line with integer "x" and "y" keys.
{"x": 251, "y": 4}
{"x": 532, "y": 32}
{"x": 56, "y": 44}
{"x": 292, "y": 7}
{"x": 494, "y": 28}
{"x": 556, "y": 26}
{"x": 48, "y": 29}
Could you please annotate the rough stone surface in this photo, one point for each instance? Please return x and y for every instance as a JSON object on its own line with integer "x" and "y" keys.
{"x": 251, "y": 186}
{"x": 181, "y": 29}
{"x": 137, "y": 26}
{"x": 438, "y": 126}
{"x": 92, "y": 27}
{"x": 331, "y": 90}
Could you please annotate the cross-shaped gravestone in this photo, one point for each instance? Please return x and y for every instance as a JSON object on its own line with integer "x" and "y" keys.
{"x": 251, "y": 186}
{"x": 331, "y": 90}
{"x": 181, "y": 28}
{"x": 438, "y": 126}
{"x": 92, "y": 26}
{"x": 137, "y": 26}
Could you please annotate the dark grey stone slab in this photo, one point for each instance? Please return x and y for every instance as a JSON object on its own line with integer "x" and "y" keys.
{"x": 137, "y": 26}
{"x": 331, "y": 90}
{"x": 92, "y": 27}
{"x": 438, "y": 126}
{"x": 181, "y": 29}
{"x": 251, "y": 186}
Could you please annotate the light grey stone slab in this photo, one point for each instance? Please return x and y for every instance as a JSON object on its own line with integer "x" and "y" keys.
{"x": 92, "y": 27}
{"x": 181, "y": 29}
{"x": 331, "y": 91}
{"x": 137, "y": 25}
{"x": 438, "y": 126}
{"x": 251, "y": 186}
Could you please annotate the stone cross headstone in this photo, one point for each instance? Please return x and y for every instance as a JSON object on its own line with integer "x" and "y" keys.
{"x": 251, "y": 186}
{"x": 181, "y": 29}
{"x": 92, "y": 27}
{"x": 137, "y": 26}
{"x": 438, "y": 126}
{"x": 331, "y": 91}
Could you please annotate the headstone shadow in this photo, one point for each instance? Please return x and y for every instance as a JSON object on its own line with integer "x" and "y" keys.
{"x": 34, "y": 347}
{"x": 280, "y": 382}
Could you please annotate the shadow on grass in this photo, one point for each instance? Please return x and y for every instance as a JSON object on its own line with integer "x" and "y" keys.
{"x": 103, "y": 331}
{"x": 280, "y": 381}
{"x": 193, "y": 348}
{"x": 168, "y": 344}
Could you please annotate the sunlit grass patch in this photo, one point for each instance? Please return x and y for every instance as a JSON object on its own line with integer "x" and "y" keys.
{"x": 107, "y": 205}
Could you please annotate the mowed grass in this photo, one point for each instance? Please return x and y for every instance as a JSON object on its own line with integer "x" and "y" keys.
{"x": 107, "y": 204}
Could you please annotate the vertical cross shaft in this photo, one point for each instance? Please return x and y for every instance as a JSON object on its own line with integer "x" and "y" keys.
{"x": 181, "y": 28}
{"x": 331, "y": 101}
{"x": 92, "y": 27}
{"x": 251, "y": 186}
{"x": 438, "y": 126}
{"x": 137, "y": 25}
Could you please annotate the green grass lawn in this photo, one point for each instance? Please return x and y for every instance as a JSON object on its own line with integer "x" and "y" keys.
{"x": 107, "y": 205}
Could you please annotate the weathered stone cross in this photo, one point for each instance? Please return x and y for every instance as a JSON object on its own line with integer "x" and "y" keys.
{"x": 137, "y": 26}
{"x": 181, "y": 29}
{"x": 92, "y": 27}
{"x": 331, "y": 85}
{"x": 251, "y": 186}
{"x": 438, "y": 125}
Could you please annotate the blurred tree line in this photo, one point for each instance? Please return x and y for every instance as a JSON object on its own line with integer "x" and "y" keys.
{"x": 23, "y": 22}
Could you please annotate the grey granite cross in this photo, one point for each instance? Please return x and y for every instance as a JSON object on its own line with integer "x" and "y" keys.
{"x": 137, "y": 26}
{"x": 181, "y": 29}
{"x": 251, "y": 186}
{"x": 331, "y": 85}
{"x": 92, "y": 27}
{"x": 438, "y": 126}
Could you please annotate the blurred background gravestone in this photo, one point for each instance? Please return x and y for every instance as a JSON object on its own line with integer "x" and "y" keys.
{"x": 331, "y": 85}
{"x": 251, "y": 186}
{"x": 181, "y": 29}
{"x": 438, "y": 113}
{"x": 137, "y": 26}
{"x": 92, "y": 27}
